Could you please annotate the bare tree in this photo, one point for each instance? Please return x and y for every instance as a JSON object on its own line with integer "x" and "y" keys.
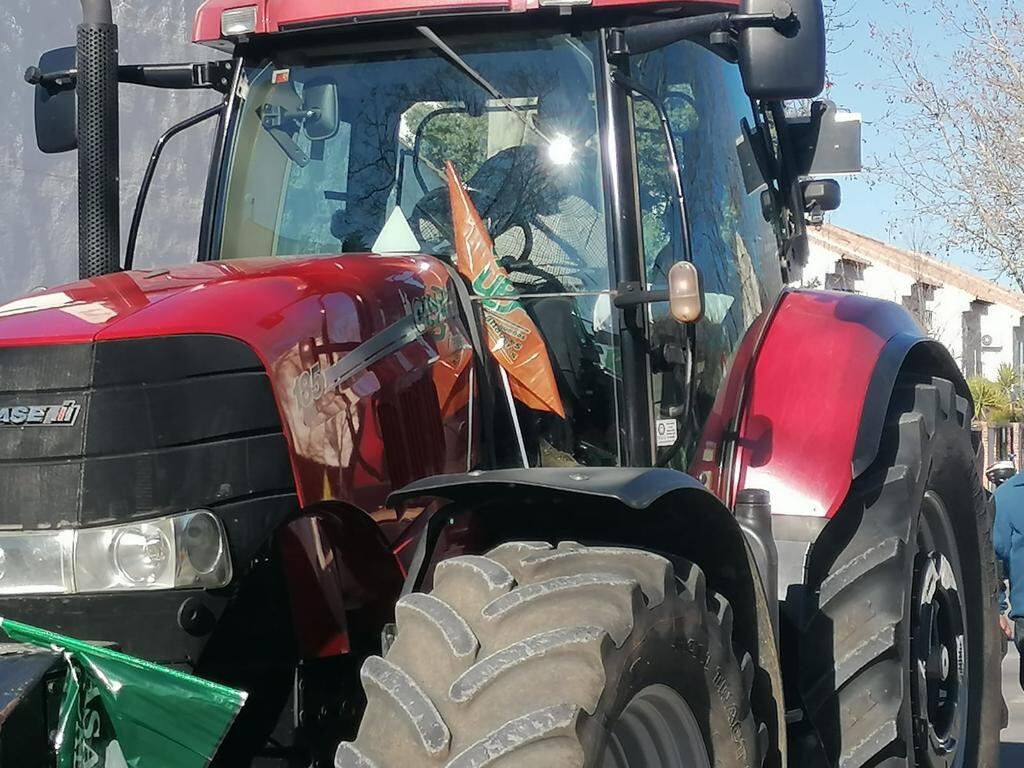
{"x": 839, "y": 20}
{"x": 839, "y": 23}
{"x": 958, "y": 118}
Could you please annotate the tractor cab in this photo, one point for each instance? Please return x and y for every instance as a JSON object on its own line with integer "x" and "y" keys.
{"x": 376, "y": 179}
{"x": 594, "y": 172}
{"x": 642, "y": 197}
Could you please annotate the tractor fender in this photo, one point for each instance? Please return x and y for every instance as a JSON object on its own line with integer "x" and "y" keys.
{"x": 658, "y": 510}
{"x": 802, "y": 411}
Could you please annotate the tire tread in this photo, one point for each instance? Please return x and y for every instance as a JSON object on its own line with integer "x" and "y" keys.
{"x": 499, "y": 708}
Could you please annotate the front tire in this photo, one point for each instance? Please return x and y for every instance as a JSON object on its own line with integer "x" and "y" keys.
{"x": 533, "y": 657}
{"x": 900, "y": 655}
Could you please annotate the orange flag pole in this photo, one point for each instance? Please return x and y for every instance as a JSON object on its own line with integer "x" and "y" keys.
{"x": 512, "y": 336}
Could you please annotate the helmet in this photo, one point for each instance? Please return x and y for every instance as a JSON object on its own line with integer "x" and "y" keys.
{"x": 1000, "y": 472}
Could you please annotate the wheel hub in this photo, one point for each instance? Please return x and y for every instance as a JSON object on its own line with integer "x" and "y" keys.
{"x": 938, "y": 664}
{"x": 657, "y": 729}
{"x": 938, "y": 651}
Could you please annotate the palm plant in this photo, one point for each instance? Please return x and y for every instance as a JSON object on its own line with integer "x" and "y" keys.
{"x": 990, "y": 400}
{"x": 1008, "y": 381}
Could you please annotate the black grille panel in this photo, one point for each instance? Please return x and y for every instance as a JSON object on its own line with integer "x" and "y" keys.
{"x": 166, "y": 424}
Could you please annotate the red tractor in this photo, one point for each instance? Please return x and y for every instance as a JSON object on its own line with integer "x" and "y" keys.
{"x": 483, "y": 430}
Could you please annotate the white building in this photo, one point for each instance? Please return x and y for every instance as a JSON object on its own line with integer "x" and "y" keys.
{"x": 981, "y": 323}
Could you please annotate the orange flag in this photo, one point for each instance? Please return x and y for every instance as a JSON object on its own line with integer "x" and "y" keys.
{"x": 512, "y": 336}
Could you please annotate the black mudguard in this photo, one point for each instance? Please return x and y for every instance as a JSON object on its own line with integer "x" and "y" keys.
{"x": 660, "y": 510}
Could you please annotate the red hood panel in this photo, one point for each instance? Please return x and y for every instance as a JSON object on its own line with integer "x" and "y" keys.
{"x": 83, "y": 311}
{"x": 303, "y": 317}
{"x": 243, "y": 298}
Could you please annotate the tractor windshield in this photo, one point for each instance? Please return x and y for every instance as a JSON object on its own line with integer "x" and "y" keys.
{"x": 374, "y": 180}
{"x": 377, "y": 181}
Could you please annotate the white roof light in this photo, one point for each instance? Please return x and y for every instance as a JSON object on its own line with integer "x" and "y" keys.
{"x": 238, "y": 21}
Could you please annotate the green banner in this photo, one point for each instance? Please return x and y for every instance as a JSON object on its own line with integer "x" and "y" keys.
{"x": 122, "y": 712}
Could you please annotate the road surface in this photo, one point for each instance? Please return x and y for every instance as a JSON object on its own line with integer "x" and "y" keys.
{"x": 1012, "y": 755}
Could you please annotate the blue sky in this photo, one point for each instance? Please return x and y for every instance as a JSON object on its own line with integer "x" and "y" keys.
{"x": 861, "y": 84}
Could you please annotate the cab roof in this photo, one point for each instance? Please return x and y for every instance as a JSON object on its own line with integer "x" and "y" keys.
{"x": 284, "y": 15}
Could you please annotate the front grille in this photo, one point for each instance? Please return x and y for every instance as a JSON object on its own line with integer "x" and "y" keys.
{"x": 165, "y": 424}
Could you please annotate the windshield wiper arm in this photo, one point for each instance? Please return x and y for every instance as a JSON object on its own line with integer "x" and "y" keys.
{"x": 479, "y": 79}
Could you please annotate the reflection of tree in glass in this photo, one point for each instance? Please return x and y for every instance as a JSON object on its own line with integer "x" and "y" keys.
{"x": 460, "y": 138}
{"x": 656, "y": 189}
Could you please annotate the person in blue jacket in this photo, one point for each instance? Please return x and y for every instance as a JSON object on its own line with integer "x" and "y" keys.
{"x": 1008, "y": 539}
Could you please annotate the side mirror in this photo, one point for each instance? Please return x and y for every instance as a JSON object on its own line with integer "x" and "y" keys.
{"x": 820, "y": 196}
{"x": 320, "y": 102}
{"x": 56, "y": 113}
{"x": 782, "y": 65}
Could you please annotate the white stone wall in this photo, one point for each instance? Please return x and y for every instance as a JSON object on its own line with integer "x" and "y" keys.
{"x": 947, "y": 306}
{"x": 884, "y": 283}
{"x": 998, "y": 323}
{"x": 947, "y": 324}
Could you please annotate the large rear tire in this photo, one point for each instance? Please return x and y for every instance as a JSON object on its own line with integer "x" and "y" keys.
{"x": 533, "y": 657}
{"x": 900, "y": 654}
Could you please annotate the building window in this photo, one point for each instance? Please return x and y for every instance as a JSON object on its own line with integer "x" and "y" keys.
{"x": 845, "y": 275}
{"x": 972, "y": 336}
{"x": 917, "y": 304}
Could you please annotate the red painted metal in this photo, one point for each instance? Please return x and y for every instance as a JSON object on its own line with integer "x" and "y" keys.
{"x": 403, "y": 417}
{"x": 800, "y": 412}
{"x": 273, "y": 15}
{"x": 342, "y": 578}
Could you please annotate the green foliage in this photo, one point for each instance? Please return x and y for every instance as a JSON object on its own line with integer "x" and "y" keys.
{"x": 1008, "y": 382}
{"x": 656, "y": 189}
{"x": 457, "y": 137}
{"x": 990, "y": 401}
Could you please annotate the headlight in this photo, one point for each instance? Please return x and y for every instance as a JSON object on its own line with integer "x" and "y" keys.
{"x": 142, "y": 555}
{"x": 37, "y": 562}
{"x": 188, "y": 550}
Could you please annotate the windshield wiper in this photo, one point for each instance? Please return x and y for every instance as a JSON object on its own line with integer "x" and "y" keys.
{"x": 480, "y": 80}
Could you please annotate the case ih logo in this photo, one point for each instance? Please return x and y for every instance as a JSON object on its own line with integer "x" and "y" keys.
{"x": 63, "y": 415}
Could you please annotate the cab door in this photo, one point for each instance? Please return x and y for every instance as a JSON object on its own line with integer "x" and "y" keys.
{"x": 730, "y": 240}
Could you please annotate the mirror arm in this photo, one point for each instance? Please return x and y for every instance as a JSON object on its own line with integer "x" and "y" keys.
{"x": 274, "y": 116}
{"x": 214, "y": 75}
{"x": 634, "y": 294}
{"x": 644, "y": 38}
{"x": 54, "y": 82}
{"x": 789, "y": 187}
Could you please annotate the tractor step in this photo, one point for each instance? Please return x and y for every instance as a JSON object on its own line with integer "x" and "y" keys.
{"x": 31, "y": 681}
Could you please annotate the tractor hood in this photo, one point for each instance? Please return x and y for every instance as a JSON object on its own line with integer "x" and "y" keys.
{"x": 144, "y": 369}
{"x": 268, "y": 303}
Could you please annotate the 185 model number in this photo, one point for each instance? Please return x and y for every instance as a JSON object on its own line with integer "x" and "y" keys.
{"x": 311, "y": 385}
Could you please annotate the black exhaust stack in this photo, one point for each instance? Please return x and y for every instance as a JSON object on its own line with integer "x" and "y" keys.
{"x": 99, "y": 227}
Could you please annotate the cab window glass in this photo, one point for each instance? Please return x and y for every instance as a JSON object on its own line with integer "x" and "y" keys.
{"x": 530, "y": 163}
{"x": 731, "y": 243}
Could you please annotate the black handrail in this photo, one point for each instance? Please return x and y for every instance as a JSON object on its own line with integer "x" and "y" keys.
{"x": 147, "y": 179}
